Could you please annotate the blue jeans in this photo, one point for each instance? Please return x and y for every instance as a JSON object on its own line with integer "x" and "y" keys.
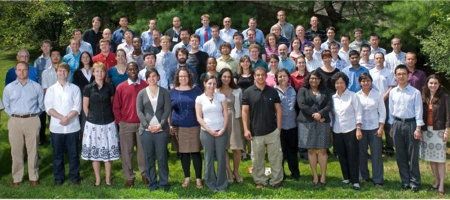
{"x": 371, "y": 139}
{"x": 61, "y": 143}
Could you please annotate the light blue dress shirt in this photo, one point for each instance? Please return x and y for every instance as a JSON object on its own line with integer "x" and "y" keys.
{"x": 288, "y": 101}
{"x": 212, "y": 47}
{"x": 405, "y": 103}
{"x": 353, "y": 76}
{"x": 23, "y": 99}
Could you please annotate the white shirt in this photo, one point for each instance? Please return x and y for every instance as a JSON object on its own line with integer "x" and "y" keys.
{"x": 347, "y": 112}
{"x": 405, "y": 103}
{"x": 344, "y": 56}
{"x": 393, "y": 60}
{"x": 317, "y": 54}
{"x": 238, "y": 54}
{"x": 369, "y": 64}
{"x": 181, "y": 45}
{"x": 212, "y": 110}
{"x": 326, "y": 44}
{"x": 154, "y": 103}
{"x": 227, "y": 35}
{"x": 128, "y": 48}
{"x": 313, "y": 64}
{"x": 48, "y": 77}
{"x": 382, "y": 79}
{"x": 63, "y": 100}
{"x": 373, "y": 109}
{"x": 373, "y": 51}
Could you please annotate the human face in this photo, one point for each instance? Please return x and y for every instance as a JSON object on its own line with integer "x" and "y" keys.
{"x": 62, "y": 74}
{"x": 365, "y": 52}
{"x": 276, "y": 30}
{"x": 226, "y": 78}
{"x": 183, "y": 78}
{"x": 96, "y": 24}
{"x": 334, "y": 50}
{"x": 379, "y": 60}
{"x": 136, "y": 43}
{"x": 181, "y": 57}
{"x": 152, "y": 24}
{"x": 85, "y": 59}
{"x": 225, "y": 50}
{"x": 354, "y": 60}
{"x": 77, "y": 35}
{"x": 210, "y": 85}
{"x": 106, "y": 34}
{"x": 340, "y": 85}
{"x": 273, "y": 64}
{"x": 254, "y": 53}
{"x": 433, "y": 84}
{"x": 45, "y": 48}
{"x": 176, "y": 22}
{"x": 226, "y": 22}
{"x": 300, "y": 64}
{"x": 314, "y": 21}
{"x": 99, "y": 74}
{"x": 282, "y": 51}
{"x": 156, "y": 37}
{"x": 205, "y": 21}
{"x": 211, "y": 65}
{"x": 104, "y": 47}
{"x": 317, "y": 42}
{"x": 326, "y": 60}
{"x": 411, "y": 60}
{"x": 401, "y": 75}
{"x": 283, "y": 78}
{"x": 314, "y": 81}
{"x": 184, "y": 35}
{"x": 152, "y": 79}
{"x": 300, "y": 31}
{"x": 366, "y": 84}
{"x": 252, "y": 24}
{"x": 251, "y": 35}
{"x": 128, "y": 37}
{"x": 281, "y": 16}
{"x": 56, "y": 57}
{"x": 75, "y": 46}
{"x": 150, "y": 61}
{"x": 396, "y": 45}
{"x": 374, "y": 41}
{"x": 121, "y": 57}
{"x": 22, "y": 71}
{"x": 296, "y": 44}
{"x": 194, "y": 43}
{"x": 358, "y": 35}
{"x": 308, "y": 52}
{"x": 165, "y": 44}
{"x": 272, "y": 41}
{"x": 344, "y": 41}
{"x": 246, "y": 64}
{"x": 132, "y": 71}
{"x": 331, "y": 34}
{"x": 123, "y": 22}
{"x": 237, "y": 40}
{"x": 260, "y": 77}
{"x": 215, "y": 33}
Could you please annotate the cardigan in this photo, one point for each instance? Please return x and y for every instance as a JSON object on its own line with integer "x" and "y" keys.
{"x": 145, "y": 110}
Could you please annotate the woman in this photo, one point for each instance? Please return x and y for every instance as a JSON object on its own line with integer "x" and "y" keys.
{"x": 271, "y": 45}
{"x": 245, "y": 73}
{"x": 437, "y": 118}
{"x": 83, "y": 75}
{"x": 314, "y": 101}
{"x": 373, "y": 118}
{"x": 233, "y": 96}
{"x": 212, "y": 114}
{"x": 100, "y": 140}
{"x": 347, "y": 121}
{"x": 273, "y": 66}
{"x": 118, "y": 74}
{"x": 184, "y": 125}
{"x": 289, "y": 137}
{"x": 298, "y": 76}
{"x": 295, "y": 49}
{"x": 210, "y": 69}
{"x": 327, "y": 71}
{"x": 153, "y": 109}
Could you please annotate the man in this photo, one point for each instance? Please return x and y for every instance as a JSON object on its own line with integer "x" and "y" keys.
{"x": 205, "y": 31}
{"x": 311, "y": 63}
{"x": 73, "y": 58}
{"x": 175, "y": 31}
{"x": 254, "y": 57}
{"x": 251, "y": 39}
{"x": 317, "y": 51}
{"x": 184, "y": 35}
{"x": 49, "y": 76}
{"x": 227, "y": 32}
{"x": 383, "y": 81}
{"x": 117, "y": 36}
{"x": 261, "y": 118}
{"x": 405, "y": 110}
{"x": 336, "y": 60}
{"x": 147, "y": 36}
{"x": 238, "y": 51}
{"x": 166, "y": 60}
{"x": 365, "y": 54}
{"x": 155, "y": 48}
{"x": 149, "y": 62}
{"x": 63, "y": 103}
{"x": 84, "y": 46}
{"x": 107, "y": 35}
{"x": 356, "y": 44}
{"x": 93, "y": 35}
{"x": 225, "y": 60}
{"x": 287, "y": 29}
{"x": 125, "y": 114}
{"x": 127, "y": 45}
{"x": 374, "y": 45}
{"x": 345, "y": 49}
{"x": 354, "y": 71}
{"x": 212, "y": 46}
{"x": 276, "y": 29}
{"x": 258, "y": 34}
{"x": 197, "y": 59}
{"x": 331, "y": 32}
{"x": 416, "y": 77}
{"x": 136, "y": 55}
{"x": 105, "y": 56}
{"x": 43, "y": 61}
{"x": 285, "y": 61}
{"x": 23, "y": 124}
{"x": 397, "y": 56}
{"x": 182, "y": 56}
{"x": 22, "y": 56}
{"x": 314, "y": 29}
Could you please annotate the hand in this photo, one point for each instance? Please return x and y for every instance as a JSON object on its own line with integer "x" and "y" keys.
{"x": 173, "y": 130}
{"x": 380, "y": 132}
{"x": 219, "y": 132}
{"x": 359, "y": 134}
{"x": 64, "y": 121}
{"x": 322, "y": 120}
{"x": 248, "y": 135}
{"x": 155, "y": 128}
{"x": 418, "y": 134}
{"x": 445, "y": 136}
{"x": 317, "y": 116}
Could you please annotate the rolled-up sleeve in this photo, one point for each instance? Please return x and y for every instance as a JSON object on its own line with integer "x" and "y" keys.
{"x": 418, "y": 106}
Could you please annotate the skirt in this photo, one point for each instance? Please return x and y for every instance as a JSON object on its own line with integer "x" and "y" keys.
{"x": 100, "y": 142}
{"x": 314, "y": 135}
{"x": 188, "y": 139}
{"x": 432, "y": 147}
{"x": 234, "y": 130}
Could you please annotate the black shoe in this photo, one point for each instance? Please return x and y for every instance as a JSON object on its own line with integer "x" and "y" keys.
{"x": 405, "y": 187}
{"x": 415, "y": 188}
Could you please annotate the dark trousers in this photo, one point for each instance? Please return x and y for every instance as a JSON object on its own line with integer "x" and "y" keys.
{"x": 289, "y": 145}
{"x": 407, "y": 152}
{"x": 387, "y": 131}
{"x": 348, "y": 153}
{"x": 43, "y": 119}
{"x": 62, "y": 143}
{"x": 155, "y": 149}
{"x": 186, "y": 164}
{"x": 371, "y": 139}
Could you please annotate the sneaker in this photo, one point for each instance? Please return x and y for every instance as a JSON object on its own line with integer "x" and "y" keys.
{"x": 346, "y": 181}
{"x": 356, "y": 186}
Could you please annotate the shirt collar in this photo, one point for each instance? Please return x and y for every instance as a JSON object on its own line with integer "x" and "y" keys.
{"x": 130, "y": 82}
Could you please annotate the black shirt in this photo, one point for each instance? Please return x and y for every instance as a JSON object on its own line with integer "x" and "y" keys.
{"x": 100, "y": 104}
{"x": 311, "y": 33}
{"x": 93, "y": 38}
{"x": 245, "y": 82}
{"x": 80, "y": 80}
{"x": 198, "y": 60}
{"x": 263, "y": 119}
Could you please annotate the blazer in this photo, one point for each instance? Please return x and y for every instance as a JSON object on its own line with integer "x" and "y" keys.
{"x": 145, "y": 110}
{"x": 309, "y": 104}
{"x": 441, "y": 113}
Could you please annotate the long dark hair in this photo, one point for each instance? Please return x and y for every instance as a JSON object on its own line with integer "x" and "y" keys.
{"x": 316, "y": 74}
{"x": 219, "y": 79}
{"x": 426, "y": 94}
{"x": 81, "y": 65}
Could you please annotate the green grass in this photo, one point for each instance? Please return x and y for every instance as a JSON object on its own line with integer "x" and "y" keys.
{"x": 291, "y": 189}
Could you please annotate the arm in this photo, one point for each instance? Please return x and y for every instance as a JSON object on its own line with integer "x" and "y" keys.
{"x": 391, "y": 108}
{"x": 199, "y": 114}
{"x": 117, "y": 104}
{"x": 140, "y": 108}
{"x": 447, "y": 122}
{"x": 279, "y": 115}
{"x": 358, "y": 116}
{"x": 225, "y": 118}
{"x": 167, "y": 108}
{"x": 86, "y": 105}
{"x": 245, "y": 120}
{"x": 6, "y": 102}
{"x": 382, "y": 116}
{"x": 418, "y": 106}
{"x": 301, "y": 101}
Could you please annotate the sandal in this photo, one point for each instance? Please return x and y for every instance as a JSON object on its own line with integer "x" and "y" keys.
{"x": 237, "y": 177}
{"x": 185, "y": 183}
{"x": 199, "y": 183}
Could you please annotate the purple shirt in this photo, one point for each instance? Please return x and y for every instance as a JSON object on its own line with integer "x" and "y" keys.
{"x": 417, "y": 79}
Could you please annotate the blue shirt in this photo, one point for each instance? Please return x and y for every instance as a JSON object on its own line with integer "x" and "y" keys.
{"x": 259, "y": 36}
{"x": 147, "y": 39}
{"x": 41, "y": 64}
{"x": 212, "y": 47}
{"x": 405, "y": 103}
{"x": 183, "y": 107}
{"x": 84, "y": 47}
{"x": 117, "y": 36}
{"x": 11, "y": 74}
{"x": 201, "y": 32}
{"x": 73, "y": 61}
{"x": 353, "y": 76}
{"x": 23, "y": 99}
{"x": 288, "y": 101}
{"x": 287, "y": 63}
{"x": 115, "y": 77}
{"x": 167, "y": 62}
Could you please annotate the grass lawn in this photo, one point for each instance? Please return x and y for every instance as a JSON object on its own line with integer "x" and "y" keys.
{"x": 291, "y": 189}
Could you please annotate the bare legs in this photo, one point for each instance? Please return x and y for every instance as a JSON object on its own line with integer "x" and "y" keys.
{"x": 318, "y": 156}
{"x": 236, "y": 162}
{"x": 438, "y": 170}
{"x": 96, "y": 167}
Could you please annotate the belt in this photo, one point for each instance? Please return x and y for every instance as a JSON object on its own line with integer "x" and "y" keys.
{"x": 405, "y": 119}
{"x": 25, "y": 116}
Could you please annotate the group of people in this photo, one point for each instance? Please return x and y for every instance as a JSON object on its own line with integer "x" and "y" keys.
{"x": 221, "y": 90}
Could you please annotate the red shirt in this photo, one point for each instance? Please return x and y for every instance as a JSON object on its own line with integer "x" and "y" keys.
{"x": 109, "y": 61}
{"x": 297, "y": 80}
{"x": 124, "y": 104}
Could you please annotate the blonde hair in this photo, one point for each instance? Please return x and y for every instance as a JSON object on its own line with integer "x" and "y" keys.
{"x": 165, "y": 37}
{"x": 63, "y": 66}
{"x": 204, "y": 16}
{"x": 99, "y": 66}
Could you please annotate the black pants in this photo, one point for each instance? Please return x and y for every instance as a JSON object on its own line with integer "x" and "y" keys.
{"x": 43, "y": 119}
{"x": 289, "y": 145}
{"x": 348, "y": 153}
{"x": 186, "y": 164}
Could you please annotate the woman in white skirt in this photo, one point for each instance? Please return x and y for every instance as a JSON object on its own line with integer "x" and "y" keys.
{"x": 436, "y": 115}
{"x": 100, "y": 140}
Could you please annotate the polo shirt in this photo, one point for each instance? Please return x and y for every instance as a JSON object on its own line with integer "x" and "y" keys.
{"x": 263, "y": 119}
{"x": 109, "y": 60}
{"x": 259, "y": 63}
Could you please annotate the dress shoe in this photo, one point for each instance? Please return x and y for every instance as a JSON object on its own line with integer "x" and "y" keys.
{"x": 129, "y": 183}
{"x": 145, "y": 180}
{"x": 15, "y": 184}
{"x": 34, "y": 183}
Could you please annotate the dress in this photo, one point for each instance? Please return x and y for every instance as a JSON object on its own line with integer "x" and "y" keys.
{"x": 234, "y": 130}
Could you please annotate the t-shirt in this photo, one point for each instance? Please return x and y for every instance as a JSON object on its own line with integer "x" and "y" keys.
{"x": 212, "y": 110}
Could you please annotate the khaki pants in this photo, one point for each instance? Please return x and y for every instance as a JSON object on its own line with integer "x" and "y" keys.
{"x": 128, "y": 135}
{"x": 24, "y": 131}
{"x": 275, "y": 155}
